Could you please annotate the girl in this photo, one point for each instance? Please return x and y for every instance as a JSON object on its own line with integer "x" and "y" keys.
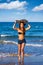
{"x": 21, "y": 38}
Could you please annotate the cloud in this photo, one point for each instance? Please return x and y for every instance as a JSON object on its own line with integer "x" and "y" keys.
{"x": 14, "y": 5}
{"x": 38, "y": 8}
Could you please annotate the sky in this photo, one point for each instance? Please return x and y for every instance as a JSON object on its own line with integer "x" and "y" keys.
{"x": 11, "y": 10}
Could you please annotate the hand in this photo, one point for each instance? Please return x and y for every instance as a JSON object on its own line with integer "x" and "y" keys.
{"x": 15, "y": 21}
{"x": 14, "y": 24}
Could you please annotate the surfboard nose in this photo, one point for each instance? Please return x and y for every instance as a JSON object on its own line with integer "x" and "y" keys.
{"x": 22, "y": 20}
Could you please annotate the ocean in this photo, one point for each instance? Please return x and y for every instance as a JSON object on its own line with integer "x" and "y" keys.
{"x": 9, "y": 37}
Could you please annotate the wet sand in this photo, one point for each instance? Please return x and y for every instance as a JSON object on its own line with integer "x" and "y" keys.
{"x": 28, "y": 60}
{"x": 39, "y": 63}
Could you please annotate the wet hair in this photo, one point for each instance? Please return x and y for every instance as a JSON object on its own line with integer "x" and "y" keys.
{"x": 23, "y": 24}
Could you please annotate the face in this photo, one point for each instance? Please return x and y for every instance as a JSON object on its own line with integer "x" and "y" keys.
{"x": 21, "y": 25}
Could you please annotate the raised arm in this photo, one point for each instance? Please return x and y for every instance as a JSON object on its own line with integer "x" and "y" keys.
{"x": 28, "y": 27}
{"x": 14, "y": 27}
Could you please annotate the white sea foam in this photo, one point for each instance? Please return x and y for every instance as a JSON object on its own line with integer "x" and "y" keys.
{"x": 4, "y": 54}
{"x": 3, "y": 35}
{"x": 35, "y": 45}
{"x": 13, "y": 42}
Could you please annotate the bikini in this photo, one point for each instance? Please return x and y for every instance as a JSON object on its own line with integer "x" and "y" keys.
{"x": 21, "y": 41}
{"x": 21, "y": 33}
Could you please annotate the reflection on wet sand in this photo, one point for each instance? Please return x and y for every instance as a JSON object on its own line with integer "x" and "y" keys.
{"x": 8, "y": 64}
{"x": 21, "y": 63}
{"x": 18, "y": 63}
{"x": 20, "y": 60}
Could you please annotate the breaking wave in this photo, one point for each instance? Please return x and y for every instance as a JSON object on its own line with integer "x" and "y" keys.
{"x": 13, "y": 42}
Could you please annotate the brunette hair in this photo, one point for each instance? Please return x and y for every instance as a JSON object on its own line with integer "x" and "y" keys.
{"x": 23, "y": 24}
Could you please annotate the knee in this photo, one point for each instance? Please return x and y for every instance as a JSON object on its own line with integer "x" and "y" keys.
{"x": 22, "y": 50}
{"x": 19, "y": 52}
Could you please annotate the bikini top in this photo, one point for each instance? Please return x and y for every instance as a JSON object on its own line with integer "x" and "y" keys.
{"x": 21, "y": 33}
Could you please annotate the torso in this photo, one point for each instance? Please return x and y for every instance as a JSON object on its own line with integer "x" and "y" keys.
{"x": 21, "y": 36}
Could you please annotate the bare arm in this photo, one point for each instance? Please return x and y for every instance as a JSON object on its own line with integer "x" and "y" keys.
{"x": 28, "y": 27}
{"x": 14, "y": 27}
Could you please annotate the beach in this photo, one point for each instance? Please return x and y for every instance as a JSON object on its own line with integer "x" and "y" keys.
{"x": 28, "y": 60}
{"x": 33, "y": 51}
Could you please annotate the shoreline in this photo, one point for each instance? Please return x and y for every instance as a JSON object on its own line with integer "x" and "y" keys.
{"x": 2, "y": 55}
{"x": 28, "y": 60}
{"x": 17, "y": 54}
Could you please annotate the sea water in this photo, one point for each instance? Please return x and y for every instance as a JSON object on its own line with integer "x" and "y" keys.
{"x": 9, "y": 36}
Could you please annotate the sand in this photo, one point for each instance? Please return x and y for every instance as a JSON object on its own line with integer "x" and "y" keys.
{"x": 28, "y": 60}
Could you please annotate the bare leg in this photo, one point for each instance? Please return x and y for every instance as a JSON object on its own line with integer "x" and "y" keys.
{"x": 22, "y": 51}
{"x": 19, "y": 51}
